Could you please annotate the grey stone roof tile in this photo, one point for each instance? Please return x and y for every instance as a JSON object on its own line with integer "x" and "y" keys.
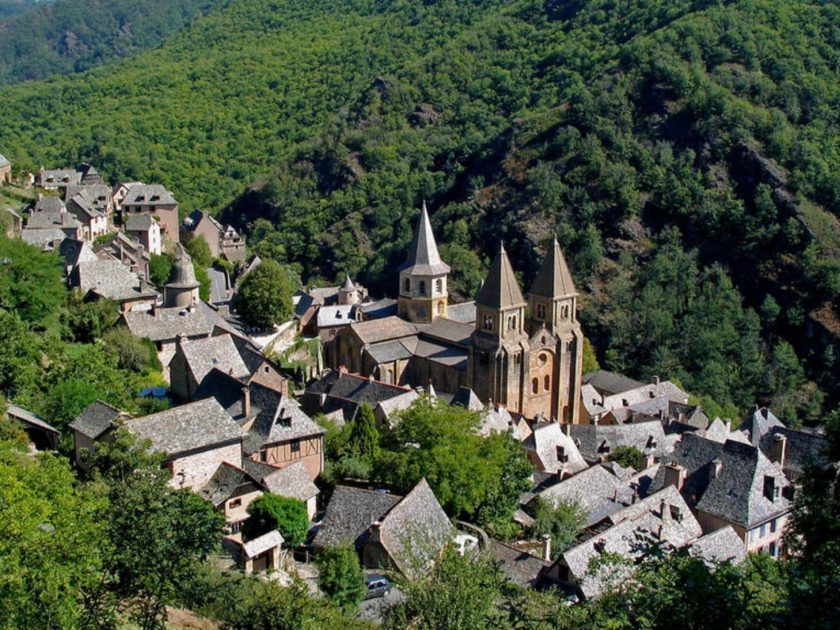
{"x": 96, "y": 419}
{"x": 349, "y": 515}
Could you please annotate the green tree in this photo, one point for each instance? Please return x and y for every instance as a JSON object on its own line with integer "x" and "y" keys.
{"x": 562, "y": 523}
{"x": 159, "y": 535}
{"x": 287, "y": 516}
{"x": 590, "y": 359}
{"x": 199, "y": 250}
{"x": 132, "y": 354}
{"x": 89, "y": 319}
{"x": 340, "y": 577}
{"x": 160, "y": 268}
{"x": 364, "y": 436}
{"x": 265, "y": 297}
{"x": 52, "y": 541}
{"x": 628, "y": 456}
{"x": 461, "y": 592}
{"x": 30, "y": 283}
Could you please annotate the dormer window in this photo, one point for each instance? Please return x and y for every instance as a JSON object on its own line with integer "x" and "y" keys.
{"x": 604, "y": 448}
{"x": 651, "y": 442}
{"x": 771, "y": 491}
{"x": 562, "y": 458}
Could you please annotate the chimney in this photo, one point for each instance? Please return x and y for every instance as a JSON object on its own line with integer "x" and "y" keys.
{"x": 716, "y": 469}
{"x": 665, "y": 511}
{"x": 246, "y": 401}
{"x": 567, "y": 428}
{"x": 547, "y": 547}
{"x": 674, "y": 476}
{"x": 656, "y": 379}
{"x": 778, "y": 450}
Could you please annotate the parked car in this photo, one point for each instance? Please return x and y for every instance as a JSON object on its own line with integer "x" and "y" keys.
{"x": 377, "y": 586}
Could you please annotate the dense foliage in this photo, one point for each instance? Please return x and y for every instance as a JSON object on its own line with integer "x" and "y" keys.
{"x": 265, "y": 297}
{"x": 64, "y": 36}
{"x": 639, "y": 132}
{"x": 340, "y": 577}
{"x": 287, "y": 516}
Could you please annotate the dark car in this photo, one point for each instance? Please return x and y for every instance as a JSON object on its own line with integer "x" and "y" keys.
{"x": 377, "y": 586}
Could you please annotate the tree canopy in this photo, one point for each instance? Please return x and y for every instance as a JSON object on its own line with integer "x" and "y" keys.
{"x": 265, "y": 297}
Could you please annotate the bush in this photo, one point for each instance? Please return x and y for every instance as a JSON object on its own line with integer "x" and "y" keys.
{"x": 287, "y": 516}
{"x": 628, "y": 456}
{"x": 341, "y": 577}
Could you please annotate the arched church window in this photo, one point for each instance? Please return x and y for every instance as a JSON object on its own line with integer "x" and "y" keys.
{"x": 542, "y": 358}
{"x": 422, "y": 287}
{"x": 564, "y": 312}
{"x": 535, "y": 385}
{"x": 407, "y": 285}
{"x": 438, "y": 286}
{"x": 541, "y": 311}
{"x": 547, "y": 382}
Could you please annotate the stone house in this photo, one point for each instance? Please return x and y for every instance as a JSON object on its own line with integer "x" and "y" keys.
{"x": 92, "y": 425}
{"x": 231, "y": 490}
{"x": 731, "y": 484}
{"x": 596, "y": 442}
{"x": 128, "y": 251}
{"x": 196, "y": 439}
{"x": 292, "y": 482}
{"x": 224, "y": 242}
{"x": 552, "y": 450}
{"x": 389, "y": 532}
{"x": 146, "y": 231}
{"x": 94, "y": 221}
{"x": 58, "y": 179}
{"x": 156, "y": 201}
{"x": 110, "y": 279}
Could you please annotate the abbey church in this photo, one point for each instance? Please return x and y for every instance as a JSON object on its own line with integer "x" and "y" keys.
{"x": 525, "y": 354}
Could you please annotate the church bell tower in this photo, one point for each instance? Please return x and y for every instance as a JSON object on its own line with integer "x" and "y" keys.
{"x": 423, "y": 295}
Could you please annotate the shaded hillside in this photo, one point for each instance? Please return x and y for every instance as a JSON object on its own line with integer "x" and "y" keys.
{"x": 8, "y": 8}
{"x": 685, "y": 152}
{"x": 67, "y": 36}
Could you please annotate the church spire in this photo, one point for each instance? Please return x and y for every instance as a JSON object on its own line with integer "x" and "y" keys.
{"x": 423, "y": 256}
{"x": 554, "y": 279}
{"x": 500, "y": 290}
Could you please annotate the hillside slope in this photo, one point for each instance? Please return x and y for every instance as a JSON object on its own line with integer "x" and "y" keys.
{"x": 65, "y": 36}
{"x": 685, "y": 152}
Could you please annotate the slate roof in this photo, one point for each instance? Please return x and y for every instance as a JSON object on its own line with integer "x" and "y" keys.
{"x": 109, "y": 278}
{"x": 29, "y": 418}
{"x": 736, "y": 493}
{"x": 261, "y": 544}
{"x": 383, "y": 329}
{"x": 554, "y": 279}
{"x": 42, "y": 237}
{"x": 219, "y": 285}
{"x": 148, "y": 194}
{"x": 415, "y": 530}
{"x": 338, "y": 315}
{"x": 99, "y": 195}
{"x": 443, "y": 353}
{"x": 349, "y": 515}
{"x": 225, "y": 481}
{"x": 354, "y": 388}
{"x": 139, "y": 222}
{"x": 48, "y": 204}
{"x": 83, "y": 208}
{"x": 626, "y": 538}
{"x": 759, "y": 423}
{"x": 448, "y": 331}
{"x": 4, "y": 161}
{"x": 801, "y": 448}
{"x": 379, "y": 309}
{"x": 219, "y": 352}
{"x": 96, "y": 419}
{"x": 423, "y": 256}
{"x": 292, "y": 482}
{"x": 609, "y": 383}
{"x": 500, "y": 288}
{"x": 51, "y": 219}
{"x": 183, "y": 271}
{"x": 463, "y": 313}
{"x": 396, "y": 349}
{"x": 722, "y": 545}
{"x": 165, "y": 324}
{"x": 74, "y": 251}
{"x": 398, "y": 403}
{"x": 543, "y": 442}
{"x": 495, "y": 420}
{"x": 192, "y": 427}
{"x": 467, "y": 398}
{"x": 519, "y": 567}
{"x": 587, "y": 488}
{"x": 595, "y": 441}
{"x": 286, "y": 422}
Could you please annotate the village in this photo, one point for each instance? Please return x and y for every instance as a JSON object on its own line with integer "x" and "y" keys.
{"x": 638, "y": 460}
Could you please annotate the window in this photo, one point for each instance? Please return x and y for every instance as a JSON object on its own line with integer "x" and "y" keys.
{"x": 547, "y": 382}
{"x": 535, "y": 385}
{"x": 561, "y": 455}
{"x": 235, "y": 503}
{"x": 407, "y": 285}
{"x": 762, "y": 531}
{"x": 769, "y": 487}
{"x": 438, "y": 286}
{"x": 422, "y": 287}
{"x": 294, "y": 446}
{"x": 773, "y": 549}
{"x": 488, "y": 322}
{"x": 263, "y": 455}
{"x": 773, "y": 526}
{"x": 511, "y": 322}
{"x": 541, "y": 311}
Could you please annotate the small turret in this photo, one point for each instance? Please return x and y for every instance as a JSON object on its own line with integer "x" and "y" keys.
{"x": 182, "y": 288}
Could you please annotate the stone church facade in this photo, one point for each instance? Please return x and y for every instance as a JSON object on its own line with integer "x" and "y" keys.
{"x": 525, "y": 354}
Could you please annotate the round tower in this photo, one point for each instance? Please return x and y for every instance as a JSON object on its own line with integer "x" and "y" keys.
{"x": 182, "y": 289}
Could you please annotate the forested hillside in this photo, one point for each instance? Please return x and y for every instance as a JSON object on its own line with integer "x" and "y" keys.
{"x": 686, "y": 153}
{"x": 65, "y": 36}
